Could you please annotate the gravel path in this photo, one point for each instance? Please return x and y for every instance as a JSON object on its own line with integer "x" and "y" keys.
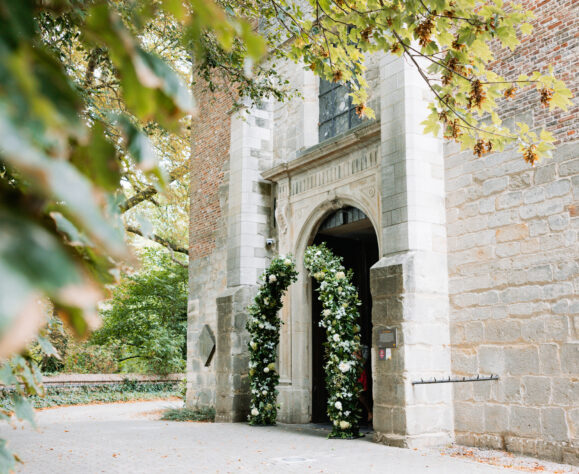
{"x": 130, "y": 438}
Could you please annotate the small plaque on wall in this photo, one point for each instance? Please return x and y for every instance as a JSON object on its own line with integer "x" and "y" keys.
{"x": 387, "y": 338}
{"x": 206, "y": 344}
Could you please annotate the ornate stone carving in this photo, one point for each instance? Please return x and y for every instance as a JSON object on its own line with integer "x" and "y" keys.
{"x": 281, "y": 218}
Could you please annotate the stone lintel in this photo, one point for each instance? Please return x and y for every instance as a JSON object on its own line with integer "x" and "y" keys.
{"x": 330, "y": 149}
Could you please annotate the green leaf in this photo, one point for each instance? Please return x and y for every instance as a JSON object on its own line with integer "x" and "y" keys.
{"x": 508, "y": 36}
{"x": 523, "y": 128}
{"x": 33, "y": 259}
{"x": 481, "y": 49}
{"x": 47, "y": 347}
{"x": 23, "y": 409}
{"x": 98, "y": 159}
{"x": 157, "y": 73}
{"x": 7, "y": 376}
{"x": 61, "y": 180}
{"x": 526, "y": 28}
{"x": 255, "y": 44}
{"x": 73, "y": 235}
{"x": 138, "y": 143}
{"x": 7, "y": 459}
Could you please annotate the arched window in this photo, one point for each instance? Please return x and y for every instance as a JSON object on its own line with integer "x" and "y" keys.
{"x": 337, "y": 114}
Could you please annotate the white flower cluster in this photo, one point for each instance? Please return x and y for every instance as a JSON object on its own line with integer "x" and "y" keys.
{"x": 264, "y": 326}
{"x": 339, "y": 318}
{"x": 345, "y": 366}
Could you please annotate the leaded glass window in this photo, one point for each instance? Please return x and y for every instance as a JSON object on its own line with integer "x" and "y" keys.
{"x": 337, "y": 114}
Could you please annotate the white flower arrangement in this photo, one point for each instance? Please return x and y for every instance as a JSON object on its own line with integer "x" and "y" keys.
{"x": 340, "y": 319}
{"x": 264, "y": 326}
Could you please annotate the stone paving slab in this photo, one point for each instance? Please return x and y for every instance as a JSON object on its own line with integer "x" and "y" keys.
{"x": 129, "y": 438}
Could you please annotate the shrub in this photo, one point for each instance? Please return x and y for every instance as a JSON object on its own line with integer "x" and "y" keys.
{"x": 90, "y": 359}
{"x": 189, "y": 414}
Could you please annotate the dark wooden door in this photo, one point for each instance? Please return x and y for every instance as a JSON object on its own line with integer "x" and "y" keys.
{"x": 358, "y": 255}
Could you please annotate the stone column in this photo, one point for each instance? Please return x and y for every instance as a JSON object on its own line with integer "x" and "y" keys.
{"x": 410, "y": 281}
{"x": 247, "y": 256}
{"x": 232, "y": 364}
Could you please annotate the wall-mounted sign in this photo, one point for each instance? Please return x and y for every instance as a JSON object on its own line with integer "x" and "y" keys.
{"x": 384, "y": 353}
{"x": 387, "y": 338}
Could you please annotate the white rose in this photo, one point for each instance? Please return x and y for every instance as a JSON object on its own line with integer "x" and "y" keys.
{"x": 264, "y": 392}
{"x": 253, "y": 345}
{"x": 338, "y": 405}
{"x": 344, "y": 425}
{"x": 254, "y": 411}
{"x": 272, "y": 278}
{"x": 344, "y": 367}
{"x": 347, "y": 413}
{"x": 336, "y": 338}
{"x": 327, "y": 312}
{"x": 287, "y": 261}
{"x": 266, "y": 370}
{"x": 340, "y": 275}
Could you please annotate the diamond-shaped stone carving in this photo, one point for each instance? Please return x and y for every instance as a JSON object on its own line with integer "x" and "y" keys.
{"x": 206, "y": 344}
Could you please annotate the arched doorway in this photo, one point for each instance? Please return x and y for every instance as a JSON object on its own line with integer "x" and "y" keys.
{"x": 351, "y": 235}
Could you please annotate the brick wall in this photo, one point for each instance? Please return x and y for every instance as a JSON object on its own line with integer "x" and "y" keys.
{"x": 514, "y": 267}
{"x": 210, "y": 156}
{"x": 207, "y": 232}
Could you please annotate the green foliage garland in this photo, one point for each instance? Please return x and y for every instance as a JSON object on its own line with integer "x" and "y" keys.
{"x": 263, "y": 325}
{"x": 340, "y": 316}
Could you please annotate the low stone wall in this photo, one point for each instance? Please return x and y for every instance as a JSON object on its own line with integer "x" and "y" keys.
{"x": 107, "y": 379}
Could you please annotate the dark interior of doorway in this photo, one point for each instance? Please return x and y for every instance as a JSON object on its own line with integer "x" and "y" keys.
{"x": 348, "y": 233}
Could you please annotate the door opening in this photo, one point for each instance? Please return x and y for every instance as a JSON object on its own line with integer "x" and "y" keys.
{"x": 348, "y": 233}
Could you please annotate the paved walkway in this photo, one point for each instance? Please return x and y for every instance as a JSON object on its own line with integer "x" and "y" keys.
{"x": 130, "y": 438}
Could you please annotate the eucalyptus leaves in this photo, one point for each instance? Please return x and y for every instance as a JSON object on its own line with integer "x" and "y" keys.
{"x": 339, "y": 298}
{"x": 264, "y": 327}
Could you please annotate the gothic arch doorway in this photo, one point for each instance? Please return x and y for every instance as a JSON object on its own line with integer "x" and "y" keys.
{"x": 351, "y": 235}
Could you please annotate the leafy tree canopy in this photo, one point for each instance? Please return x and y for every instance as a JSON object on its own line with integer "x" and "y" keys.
{"x": 147, "y": 316}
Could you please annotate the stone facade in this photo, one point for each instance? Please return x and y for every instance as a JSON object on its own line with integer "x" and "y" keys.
{"x": 514, "y": 269}
{"x": 478, "y": 267}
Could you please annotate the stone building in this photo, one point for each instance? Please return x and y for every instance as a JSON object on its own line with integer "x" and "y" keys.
{"x": 474, "y": 261}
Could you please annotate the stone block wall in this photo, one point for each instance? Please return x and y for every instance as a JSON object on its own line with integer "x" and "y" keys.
{"x": 410, "y": 282}
{"x": 232, "y": 358}
{"x": 513, "y": 262}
